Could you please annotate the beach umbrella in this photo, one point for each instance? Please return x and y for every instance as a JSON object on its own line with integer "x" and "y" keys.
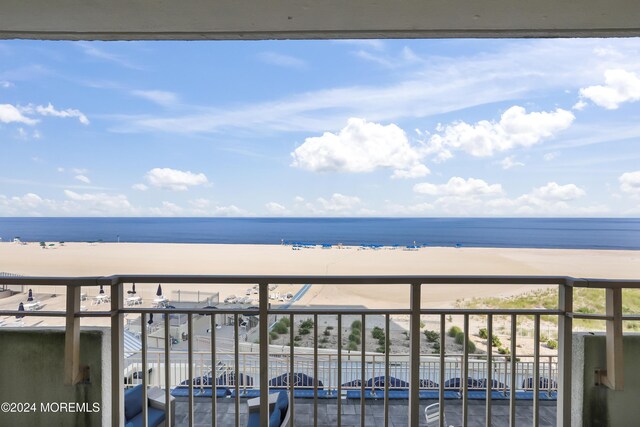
{"x": 101, "y": 290}
{"x": 159, "y": 291}
{"x": 150, "y": 321}
{"x": 20, "y": 308}
{"x": 30, "y": 296}
{"x": 133, "y": 290}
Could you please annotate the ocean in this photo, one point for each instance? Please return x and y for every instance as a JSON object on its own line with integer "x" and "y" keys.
{"x": 576, "y": 233}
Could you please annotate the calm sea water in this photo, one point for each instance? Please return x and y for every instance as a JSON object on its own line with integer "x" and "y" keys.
{"x": 479, "y": 232}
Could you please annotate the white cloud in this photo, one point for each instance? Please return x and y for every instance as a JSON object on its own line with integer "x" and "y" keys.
{"x": 516, "y": 128}
{"x": 550, "y": 156}
{"x": 161, "y": 97}
{"x": 5, "y": 84}
{"x": 282, "y": 60}
{"x": 368, "y": 43}
{"x": 200, "y": 203}
{"x": 516, "y": 70}
{"x": 10, "y": 114}
{"x": 510, "y": 162}
{"x": 205, "y": 207}
{"x": 167, "y": 209}
{"x": 83, "y": 178}
{"x": 459, "y": 187}
{"x": 98, "y": 203}
{"x": 50, "y": 110}
{"x": 139, "y": 187}
{"x": 91, "y": 49}
{"x": 276, "y": 208}
{"x": 580, "y": 105}
{"x": 620, "y": 86}
{"x": 361, "y": 146}
{"x": 29, "y": 204}
{"x": 339, "y": 203}
{"x": 416, "y": 171}
{"x": 173, "y": 179}
{"x": 231, "y": 210}
{"x": 630, "y": 182}
{"x": 554, "y": 191}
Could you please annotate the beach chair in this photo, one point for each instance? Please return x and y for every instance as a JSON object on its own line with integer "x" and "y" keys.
{"x": 279, "y": 414}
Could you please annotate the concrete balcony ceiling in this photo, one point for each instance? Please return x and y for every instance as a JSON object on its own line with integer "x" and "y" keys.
{"x": 314, "y": 19}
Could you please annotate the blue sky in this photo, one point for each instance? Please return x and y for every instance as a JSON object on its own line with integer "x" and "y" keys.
{"x": 320, "y": 128}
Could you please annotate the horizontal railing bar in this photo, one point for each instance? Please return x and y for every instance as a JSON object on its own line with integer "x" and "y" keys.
{"x": 334, "y": 311}
{"x": 589, "y": 316}
{"x": 606, "y": 283}
{"x": 501, "y": 311}
{"x": 55, "y": 281}
{"x": 33, "y": 313}
{"x": 320, "y": 280}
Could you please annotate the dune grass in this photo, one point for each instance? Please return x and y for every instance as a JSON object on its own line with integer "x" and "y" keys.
{"x": 588, "y": 301}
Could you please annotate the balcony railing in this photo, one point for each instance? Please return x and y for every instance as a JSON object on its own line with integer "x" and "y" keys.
{"x": 415, "y": 374}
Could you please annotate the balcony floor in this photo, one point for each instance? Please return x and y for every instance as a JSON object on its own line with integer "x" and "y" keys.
{"x": 374, "y": 413}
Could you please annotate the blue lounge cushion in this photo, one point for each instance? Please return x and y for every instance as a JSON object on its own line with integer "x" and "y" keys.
{"x": 283, "y": 404}
{"x": 156, "y": 417}
{"x": 133, "y": 402}
{"x": 274, "y": 417}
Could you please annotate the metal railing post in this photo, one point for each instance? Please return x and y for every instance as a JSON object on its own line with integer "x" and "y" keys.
{"x": 414, "y": 333}
{"x": 263, "y": 289}
{"x": 614, "y": 378}
{"x": 565, "y": 329}
{"x": 117, "y": 356}
{"x": 145, "y": 380}
{"x": 72, "y": 372}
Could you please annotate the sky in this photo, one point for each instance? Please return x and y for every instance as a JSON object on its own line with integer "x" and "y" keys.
{"x": 385, "y": 128}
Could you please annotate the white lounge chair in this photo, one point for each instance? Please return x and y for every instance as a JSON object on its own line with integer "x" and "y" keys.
{"x": 432, "y": 415}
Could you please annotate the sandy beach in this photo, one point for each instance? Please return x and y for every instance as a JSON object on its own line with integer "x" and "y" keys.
{"x": 84, "y": 259}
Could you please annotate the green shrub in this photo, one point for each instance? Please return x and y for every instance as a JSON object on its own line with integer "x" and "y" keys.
{"x": 324, "y": 340}
{"x": 377, "y": 333}
{"x": 273, "y": 335}
{"x": 544, "y": 338}
{"x": 436, "y": 346}
{"x": 432, "y": 336}
{"x": 285, "y": 321}
{"x": 503, "y": 350}
{"x": 303, "y": 331}
{"x": 352, "y": 346}
{"x": 329, "y": 328}
{"x": 297, "y": 338}
{"x": 470, "y": 344}
{"x": 495, "y": 341}
{"x": 422, "y": 324}
{"x": 453, "y": 331}
{"x": 354, "y": 338}
{"x": 280, "y": 328}
{"x": 326, "y": 333}
{"x": 380, "y": 349}
{"x": 552, "y": 344}
{"x": 307, "y": 324}
{"x": 382, "y": 340}
{"x": 356, "y": 331}
{"x": 356, "y": 324}
{"x": 483, "y": 333}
